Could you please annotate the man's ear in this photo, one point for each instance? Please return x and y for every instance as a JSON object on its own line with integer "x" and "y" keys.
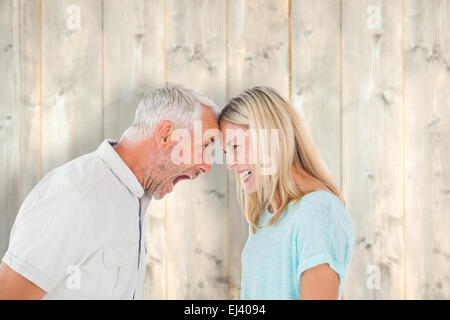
{"x": 163, "y": 134}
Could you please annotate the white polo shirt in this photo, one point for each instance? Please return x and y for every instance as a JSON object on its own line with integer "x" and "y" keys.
{"x": 78, "y": 233}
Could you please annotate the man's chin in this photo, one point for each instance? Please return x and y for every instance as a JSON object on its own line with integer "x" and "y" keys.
{"x": 159, "y": 194}
{"x": 157, "y": 197}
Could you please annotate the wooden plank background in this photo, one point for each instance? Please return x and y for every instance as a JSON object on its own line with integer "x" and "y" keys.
{"x": 371, "y": 78}
{"x": 196, "y": 211}
{"x": 427, "y": 148}
{"x": 372, "y": 143}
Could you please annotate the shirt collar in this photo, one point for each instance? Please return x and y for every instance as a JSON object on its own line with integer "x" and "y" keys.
{"x": 112, "y": 159}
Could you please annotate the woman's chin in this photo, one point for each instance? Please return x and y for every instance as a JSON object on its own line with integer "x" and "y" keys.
{"x": 250, "y": 189}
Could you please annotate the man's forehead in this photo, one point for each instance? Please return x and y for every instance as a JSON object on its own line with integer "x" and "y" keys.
{"x": 209, "y": 120}
{"x": 210, "y": 124}
{"x": 210, "y": 130}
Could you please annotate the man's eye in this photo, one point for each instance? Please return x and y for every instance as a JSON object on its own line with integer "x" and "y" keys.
{"x": 234, "y": 147}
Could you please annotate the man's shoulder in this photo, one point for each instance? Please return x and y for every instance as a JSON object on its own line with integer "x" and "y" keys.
{"x": 77, "y": 176}
{"x": 64, "y": 189}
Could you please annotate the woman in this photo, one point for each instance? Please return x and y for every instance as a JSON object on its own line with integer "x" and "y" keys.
{"x": 301, "y": 236}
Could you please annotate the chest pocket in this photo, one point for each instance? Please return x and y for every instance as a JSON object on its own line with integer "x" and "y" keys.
{"x": 119, "y": 261}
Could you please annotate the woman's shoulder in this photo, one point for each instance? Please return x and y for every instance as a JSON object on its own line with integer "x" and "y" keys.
{"x": 320, "y": 205}
{"x": 316, "y": 199}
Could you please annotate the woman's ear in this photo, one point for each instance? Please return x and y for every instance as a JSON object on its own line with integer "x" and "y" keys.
{"x": 163, "y": 134}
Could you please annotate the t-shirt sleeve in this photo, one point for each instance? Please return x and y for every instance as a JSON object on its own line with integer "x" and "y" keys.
{"x": 50, "y": 235}
{"x": 324, "y": 235}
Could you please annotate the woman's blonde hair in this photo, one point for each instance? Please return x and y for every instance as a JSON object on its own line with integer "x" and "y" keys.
{"x": 264, "y": 108}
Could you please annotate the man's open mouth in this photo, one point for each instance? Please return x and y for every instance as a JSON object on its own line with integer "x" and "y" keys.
{"x": 180, "y": 178}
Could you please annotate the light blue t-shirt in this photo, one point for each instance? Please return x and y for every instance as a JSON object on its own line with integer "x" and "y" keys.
{"x": 316, "y": 229}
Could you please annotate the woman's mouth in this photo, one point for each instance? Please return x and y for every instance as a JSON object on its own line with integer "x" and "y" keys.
{"x": 245, "y": 175}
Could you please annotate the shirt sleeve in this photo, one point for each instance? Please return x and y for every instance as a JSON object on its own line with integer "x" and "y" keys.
{"x": 50, "y": 235}
{"x": 324, "y": 235}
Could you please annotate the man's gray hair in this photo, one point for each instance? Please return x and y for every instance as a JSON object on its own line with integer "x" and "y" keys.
{"x": 170, "y": 101}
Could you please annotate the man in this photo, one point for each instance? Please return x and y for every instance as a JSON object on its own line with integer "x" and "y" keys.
{"x": 79, "y": 233}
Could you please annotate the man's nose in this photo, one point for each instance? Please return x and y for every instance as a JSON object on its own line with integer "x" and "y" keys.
{"x": 204, "y": 168}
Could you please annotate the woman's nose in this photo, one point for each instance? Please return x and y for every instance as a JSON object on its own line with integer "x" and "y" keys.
{"x": 230, "y": 164}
